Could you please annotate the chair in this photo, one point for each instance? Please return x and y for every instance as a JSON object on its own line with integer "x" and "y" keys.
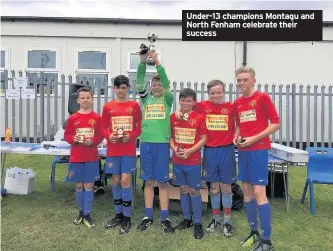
{"x": 57, "y": 160}
{"x": 65, "y": 160}
{"x": 319, "y": 171}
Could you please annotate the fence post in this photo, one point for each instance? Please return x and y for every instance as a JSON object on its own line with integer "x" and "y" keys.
{"x": 20, "y": 124}
{"x": 6, "y": 100}
{"x": 13, "y": 111}
{"x": 300, "y": 117}
{"x": 288, "y": 115}
{"x": 315, "y": 116}
{"x": 322, "y": 122}
{"x": 174, "y": 96}
{"x": 280, "y": 114}
{"x": 293, "y": 114}
{"x": 308, "y": 114}
{"x": 330, "y": 115}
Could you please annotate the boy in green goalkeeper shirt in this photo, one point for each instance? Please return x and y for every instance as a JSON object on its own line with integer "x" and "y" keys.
{"x": 154, "y": 147}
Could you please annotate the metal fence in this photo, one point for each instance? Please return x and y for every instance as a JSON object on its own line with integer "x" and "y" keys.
{"x": 305, "y": 111}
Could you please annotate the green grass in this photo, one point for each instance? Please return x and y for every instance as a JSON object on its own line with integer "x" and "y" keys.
{"x": 43, "y": 220}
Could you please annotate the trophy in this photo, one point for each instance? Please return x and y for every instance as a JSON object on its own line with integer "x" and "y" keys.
{"x": 180, "y": 149}
{"x": 81, "y": 138}
{"x": 152, "y": 39}
{"x": 240, "y": 139}
{"x": 185, "y": 116}
{"x": 120, "y": 132}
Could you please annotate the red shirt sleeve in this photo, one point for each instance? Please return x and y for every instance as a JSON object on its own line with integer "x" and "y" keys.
{"x": 198, "y": 107}
{"x": 105, "y": 122}
{"x": 69, "y": 131}
{"x": 202, "y": 126}
{"x": 270, "y": 110}
{"x": 137, "y": 122}
{"x": 98, "y": 136}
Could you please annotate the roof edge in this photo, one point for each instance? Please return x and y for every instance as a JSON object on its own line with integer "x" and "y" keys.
{"x": 90, "y": 20}
{"x": 103, "y": 20}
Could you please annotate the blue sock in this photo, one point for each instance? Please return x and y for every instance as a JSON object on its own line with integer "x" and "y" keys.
{"x": 127, "y": 201}
{"x": 185, "y": 202}
{"x": 265, "y": 217}
{"x": 80, "y": 200}
{"x": 164, "y": 214}
{"x": 251, "y": 213}
{"x": 149, "y": 213}
{"x": 197, "y": 208}
{"x": 227, "y": 204}
{"x": 116, "y": 192}
{"x": 88, "y": 201}
{"x": 216, "y": 205}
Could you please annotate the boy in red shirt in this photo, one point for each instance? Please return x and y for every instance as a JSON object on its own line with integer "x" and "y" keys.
{"x": 188, "y": 136}
{"x": 254, "y": 110}
{"x": 121, "y": 120}
{"x": 219, "y": 161}
{"x": 83, "y": 132}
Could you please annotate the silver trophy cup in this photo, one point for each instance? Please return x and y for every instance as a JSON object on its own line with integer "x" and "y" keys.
{"x": 152, "y": 39}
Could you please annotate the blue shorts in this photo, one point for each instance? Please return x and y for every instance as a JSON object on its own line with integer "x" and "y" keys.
{"x": 253, "y": 167}
{"x": 86, "y": 172}
{"x": 154, "y": 161}
{"x": 187, "y": 175}
{"x": 118, "y": 165}
{"x": 219, "y": 164}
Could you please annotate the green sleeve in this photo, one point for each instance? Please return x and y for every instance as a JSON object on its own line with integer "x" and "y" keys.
{"x": 165, "y": 83}
{"x": 140, "y": 82}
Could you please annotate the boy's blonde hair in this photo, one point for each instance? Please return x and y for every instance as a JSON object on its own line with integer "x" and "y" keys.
{"x": 245, "y": 69}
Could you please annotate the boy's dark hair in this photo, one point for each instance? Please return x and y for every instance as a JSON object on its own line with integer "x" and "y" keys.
{"x": 84, "y": 89}
{"x": 188, "y": 92}
{"x": 121, "y": 79}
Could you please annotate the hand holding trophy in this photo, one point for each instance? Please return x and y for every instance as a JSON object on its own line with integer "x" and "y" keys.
{"x": 144, "y": 50}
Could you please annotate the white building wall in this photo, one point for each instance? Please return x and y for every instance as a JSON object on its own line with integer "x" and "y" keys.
{"x": 283, "y": 63}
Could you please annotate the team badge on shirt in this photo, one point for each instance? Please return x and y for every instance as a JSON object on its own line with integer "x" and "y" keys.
{"x": 92, "y": 122}
{"x": 192, "y": 122}
{"x": 253, "y": 103}
{"x": 224, "y": 111}
{"x": 130, "y": 110}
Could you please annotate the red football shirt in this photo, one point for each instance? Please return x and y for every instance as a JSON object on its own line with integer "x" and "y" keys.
{"x": 89, "y": 126}
{"x": 126, "y": 115}
{"x": 220, "y": 122}
{"x": 253, "y": 115}
{"x": 187, "y": 134}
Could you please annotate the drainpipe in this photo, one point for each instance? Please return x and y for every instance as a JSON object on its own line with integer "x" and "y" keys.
{"x": 244, "y": 53}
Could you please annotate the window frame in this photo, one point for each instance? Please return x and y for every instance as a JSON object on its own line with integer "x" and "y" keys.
{"x": 58, "y": 62}
{"x": 107, "y": 52}
{"x": 133, "y": 51}
{"x": 7, "y": 67}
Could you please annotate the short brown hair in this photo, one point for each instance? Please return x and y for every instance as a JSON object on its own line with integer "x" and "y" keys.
{"x": 214, "y": 83}
{"x": 84, "y": 89}
{"x": 156, "y": 78}
{"x": 245, "y": 69}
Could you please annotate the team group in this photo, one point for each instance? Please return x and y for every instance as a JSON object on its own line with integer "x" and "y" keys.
{"x": 213, "y": 125}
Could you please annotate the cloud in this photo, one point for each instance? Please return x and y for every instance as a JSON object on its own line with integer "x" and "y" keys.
{"x": 147, "y": 9}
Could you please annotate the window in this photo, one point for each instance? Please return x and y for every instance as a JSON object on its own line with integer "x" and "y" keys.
{"x": 134, "y": 60}
{"x": 92, "y": 69}
{"x": 4, "y": 66}
{"x": 42, "y": 70}
{"x": 133, "y": 63}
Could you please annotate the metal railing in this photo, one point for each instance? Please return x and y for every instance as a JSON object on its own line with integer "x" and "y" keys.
{"x": 305, "y": 111}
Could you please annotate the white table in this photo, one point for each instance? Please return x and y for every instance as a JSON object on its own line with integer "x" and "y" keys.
{"x": 275, "y": 164}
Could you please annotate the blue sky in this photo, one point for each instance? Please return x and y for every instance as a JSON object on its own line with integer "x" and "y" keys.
{"x": 146, "y": 9}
